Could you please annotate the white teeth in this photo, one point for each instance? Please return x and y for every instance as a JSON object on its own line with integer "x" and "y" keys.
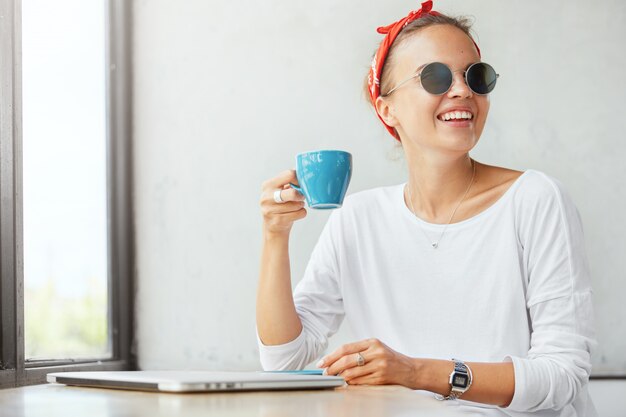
{"x": 456, "y": 115}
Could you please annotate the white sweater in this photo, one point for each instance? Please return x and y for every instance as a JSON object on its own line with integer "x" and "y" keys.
{"x": 509, "y": 284}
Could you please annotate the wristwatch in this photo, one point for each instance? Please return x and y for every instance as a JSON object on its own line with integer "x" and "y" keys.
{"x": 460, "y": 381}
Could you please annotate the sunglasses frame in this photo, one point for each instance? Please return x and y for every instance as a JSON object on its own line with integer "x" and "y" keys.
{"x": 450, "y": 86}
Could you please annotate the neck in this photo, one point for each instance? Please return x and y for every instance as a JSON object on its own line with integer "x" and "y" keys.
{"x": 436, "y": 186}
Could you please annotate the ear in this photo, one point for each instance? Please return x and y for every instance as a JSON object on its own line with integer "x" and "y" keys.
{"x": 386, "y": 111}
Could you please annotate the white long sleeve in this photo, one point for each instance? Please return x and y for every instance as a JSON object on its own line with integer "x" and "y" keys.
{"x": 509, "y": 284}
{"x": 558, "y": 363}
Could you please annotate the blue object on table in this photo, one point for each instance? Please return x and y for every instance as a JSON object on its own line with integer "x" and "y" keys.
{"x": 301, "y": 372}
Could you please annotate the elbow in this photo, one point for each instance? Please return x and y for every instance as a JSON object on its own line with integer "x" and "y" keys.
{"x": 282, "y": 361}
{"x": 566, "y": 380}
{"x": 569, "y": 382}
{"x": 549, "y": 382}
{"x": 269, "y": 365}
{"x": 292, "y": 356}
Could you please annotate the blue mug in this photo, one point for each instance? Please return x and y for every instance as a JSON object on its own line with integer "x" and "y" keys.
{"x": 324, "y": 177}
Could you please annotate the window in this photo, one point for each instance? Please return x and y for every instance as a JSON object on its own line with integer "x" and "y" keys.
{"x": 64, "y": 212}
{"x": 66, "y": 251}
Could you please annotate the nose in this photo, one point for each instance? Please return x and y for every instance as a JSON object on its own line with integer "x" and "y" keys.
{"x": 459, "y": 87}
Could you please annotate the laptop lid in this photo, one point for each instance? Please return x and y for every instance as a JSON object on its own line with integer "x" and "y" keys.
{"x": 197, "y": 381}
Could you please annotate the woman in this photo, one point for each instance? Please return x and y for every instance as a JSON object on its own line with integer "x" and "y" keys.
{"x": 464, "y": 260}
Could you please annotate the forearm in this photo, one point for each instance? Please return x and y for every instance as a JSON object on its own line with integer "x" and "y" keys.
{"x": 493, "y": 383}
{"x": 277, "y": 320}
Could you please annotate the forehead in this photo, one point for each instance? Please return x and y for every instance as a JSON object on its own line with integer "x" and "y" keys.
{"x": 438, "y": 43}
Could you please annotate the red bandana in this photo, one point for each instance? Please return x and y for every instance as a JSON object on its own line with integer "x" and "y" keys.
{"x": 391, "y": 32}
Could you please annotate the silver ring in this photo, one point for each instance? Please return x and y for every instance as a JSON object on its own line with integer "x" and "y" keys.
{"x": 360, "y": 360}
{"x": 277, "y": 197}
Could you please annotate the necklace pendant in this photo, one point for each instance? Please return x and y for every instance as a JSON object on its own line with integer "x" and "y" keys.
{"x": 435, "y": 245}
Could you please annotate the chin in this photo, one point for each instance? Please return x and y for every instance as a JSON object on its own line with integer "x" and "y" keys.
{"x": 458, "y": 146}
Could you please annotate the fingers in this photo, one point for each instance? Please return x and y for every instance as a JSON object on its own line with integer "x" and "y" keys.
{"x": 349, "y": 361}
{"x": 358, "y": 372}
{"x": 367, "y": 379}
{"x": 285, "y": 213}
{"x": 290, "y": 194}
{"x": 350, "y": 348}
{"x": 292, "y": 216}
{"x": 281, "y": 179}
{"x": 282, "y": 222}
{"x": 287, "y": 207}
{"x": 382, "y": 364}
{"x": 281, "y": 182}
{"x": 292, "y": 201}
{"x": 278, "y": 217}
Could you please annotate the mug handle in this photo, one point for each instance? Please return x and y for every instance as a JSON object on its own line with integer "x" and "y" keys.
{"x": 298, "y": 189}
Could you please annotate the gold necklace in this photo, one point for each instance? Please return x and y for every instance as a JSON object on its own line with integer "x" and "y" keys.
{"x": 435, "y": 245}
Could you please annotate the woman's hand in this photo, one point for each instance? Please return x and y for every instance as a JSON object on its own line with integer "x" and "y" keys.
{"x": 382, "y": 365}
{"x": 279, "y": 217}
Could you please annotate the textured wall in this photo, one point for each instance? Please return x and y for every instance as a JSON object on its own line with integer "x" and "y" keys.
{"x": 226, "y": 93}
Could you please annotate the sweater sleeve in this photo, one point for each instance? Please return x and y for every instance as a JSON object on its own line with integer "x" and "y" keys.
{"x": 319, "y": 305}
{"x": 559, "y": 302}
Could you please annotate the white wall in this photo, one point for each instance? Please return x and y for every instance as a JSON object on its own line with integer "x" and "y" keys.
{"x": 226, "y": 93}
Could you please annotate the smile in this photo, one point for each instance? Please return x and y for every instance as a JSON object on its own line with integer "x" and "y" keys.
{"x": 456, "y": 115}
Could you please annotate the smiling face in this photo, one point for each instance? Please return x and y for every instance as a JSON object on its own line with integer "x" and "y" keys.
{"x": 418, "y": 115}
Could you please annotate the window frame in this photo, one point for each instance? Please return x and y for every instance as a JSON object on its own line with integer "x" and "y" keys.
{"x": 14, "y": 369}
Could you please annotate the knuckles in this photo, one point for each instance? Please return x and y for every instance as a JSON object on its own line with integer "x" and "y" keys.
{"x": 288, "y": 173}
{"x": 374, "y": 342}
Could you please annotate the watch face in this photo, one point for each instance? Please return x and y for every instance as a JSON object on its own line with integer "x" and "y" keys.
{"x": 460, "y": 380}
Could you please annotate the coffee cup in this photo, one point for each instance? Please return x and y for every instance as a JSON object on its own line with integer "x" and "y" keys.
{"x": 323, "y": 177}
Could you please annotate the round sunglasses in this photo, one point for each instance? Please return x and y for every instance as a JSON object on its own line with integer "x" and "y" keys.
{"x": 436, "y": 78}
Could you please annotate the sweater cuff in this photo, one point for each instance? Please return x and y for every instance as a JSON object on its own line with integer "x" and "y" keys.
{"x": 518, "y": 403}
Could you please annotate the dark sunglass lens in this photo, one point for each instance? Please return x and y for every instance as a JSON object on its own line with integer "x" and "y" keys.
{"x": 436, "y": 78}
{"x": 481, "y": 78}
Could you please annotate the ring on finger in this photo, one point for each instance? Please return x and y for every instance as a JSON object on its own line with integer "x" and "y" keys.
{"x": 360, "y": 360}
{"x": 277, "y": 197}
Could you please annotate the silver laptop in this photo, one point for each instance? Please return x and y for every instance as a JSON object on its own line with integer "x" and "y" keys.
{"x": 190, "y": 381}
